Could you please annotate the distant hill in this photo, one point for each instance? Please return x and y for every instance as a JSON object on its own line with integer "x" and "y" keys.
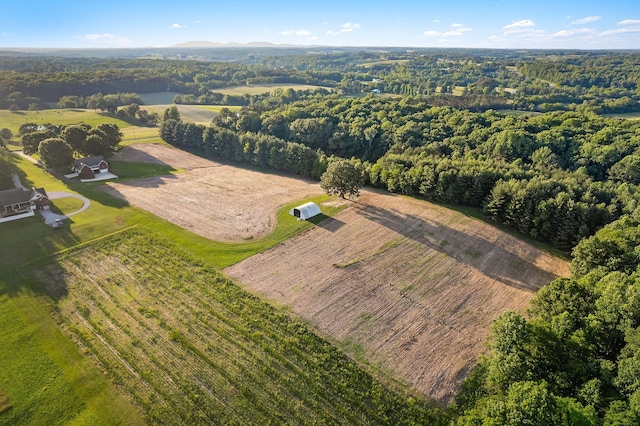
{"x": 202, "y": 43}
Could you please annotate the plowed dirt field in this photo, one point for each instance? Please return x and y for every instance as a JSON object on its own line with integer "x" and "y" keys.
{"x": 409, "y": 286}
{"x": 217, "y": 201}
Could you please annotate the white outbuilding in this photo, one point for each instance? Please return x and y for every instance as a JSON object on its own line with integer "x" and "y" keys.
{"x": 305, "y": 211}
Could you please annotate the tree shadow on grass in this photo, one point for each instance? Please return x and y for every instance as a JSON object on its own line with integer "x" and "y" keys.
{"x": 483, "y": 255}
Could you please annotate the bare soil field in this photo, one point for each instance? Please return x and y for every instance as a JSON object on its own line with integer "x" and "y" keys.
{"x": 217, "y": 201}
{"x": 407, "y": 286}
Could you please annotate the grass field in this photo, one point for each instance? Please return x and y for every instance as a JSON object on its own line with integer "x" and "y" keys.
{"x": 200, "y": 114}
{"x": 132, "y": 133}
{"x": 258, "y": 89}
{"x": 387, "y": 62}
{"x": 626, "y": 116}
{"x": 4, "y": 402}
{"x": 190, "y": 347}
{"x": 158, "y": 98}
{"x": 66, "y": 205}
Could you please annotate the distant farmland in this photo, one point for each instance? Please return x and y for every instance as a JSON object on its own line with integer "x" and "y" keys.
{"x": 258, "y": 89}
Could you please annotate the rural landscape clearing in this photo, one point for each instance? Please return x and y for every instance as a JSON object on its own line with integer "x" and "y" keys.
{"x": 372, "y": 214}
{"x": 405, "y": 285}
{"x": 396, "y": 282}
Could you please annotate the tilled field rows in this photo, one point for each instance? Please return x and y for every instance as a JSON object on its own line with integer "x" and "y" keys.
{"x": 408, "y": 285}
{"x": 190, "y": 347}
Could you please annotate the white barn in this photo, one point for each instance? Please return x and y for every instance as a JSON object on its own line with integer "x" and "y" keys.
{"x": 305, "y": 211}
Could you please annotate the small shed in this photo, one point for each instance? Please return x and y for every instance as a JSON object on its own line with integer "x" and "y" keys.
{"x": 305, "y": 211}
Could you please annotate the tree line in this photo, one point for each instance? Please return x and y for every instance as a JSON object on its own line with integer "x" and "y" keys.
{"x": 575, "y": 358}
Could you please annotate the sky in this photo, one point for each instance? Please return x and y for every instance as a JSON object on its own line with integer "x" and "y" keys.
{"x": 542, "y": 24}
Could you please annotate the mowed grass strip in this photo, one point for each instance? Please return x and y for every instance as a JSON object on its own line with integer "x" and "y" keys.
{"x": 190, "y": 346}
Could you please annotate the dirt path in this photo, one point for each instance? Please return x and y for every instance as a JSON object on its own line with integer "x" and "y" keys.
{"x": 407, "y": 285}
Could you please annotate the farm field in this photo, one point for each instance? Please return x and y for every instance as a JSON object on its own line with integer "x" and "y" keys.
{"x": 259, "y": 89}
{"x": 199, "y": 114}
{"x": 216, "y": 201}
{"x": 132, "y": 133}
{"x": 190, "y": 347}
{"x": 406, "y": 286}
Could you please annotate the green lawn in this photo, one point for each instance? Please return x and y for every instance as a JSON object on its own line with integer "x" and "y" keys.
{"x": 66, "y": 205}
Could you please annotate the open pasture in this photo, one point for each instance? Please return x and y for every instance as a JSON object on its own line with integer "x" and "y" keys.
{"x": 199, "y": 114}
{"x": 407, "y": 286}
{"x": 217, "y": 201}
{"x": 190, "y": 347}
{"x": 259, "y": 89}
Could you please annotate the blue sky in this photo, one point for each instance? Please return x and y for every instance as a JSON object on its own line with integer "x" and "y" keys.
{"x": 586, "y": 24}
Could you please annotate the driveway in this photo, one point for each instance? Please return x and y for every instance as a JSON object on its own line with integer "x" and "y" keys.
{"x": 50, "y": 217}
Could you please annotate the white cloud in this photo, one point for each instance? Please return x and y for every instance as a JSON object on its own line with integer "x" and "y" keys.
{"x": 519, "y": 26}
{"x": 177, "y": 26}
{"x": 106, "y": 39}
{"x": 623, "y": 30}
{"x": 586, "y": 20}
{"x": 296, "y": 33}
{"x": 629, "y": 22}
{"x": 347, "y": 27}
{"x": 627, "y": 26}
{"x": 457, "y": 31}
{"x": 571, "y": 33}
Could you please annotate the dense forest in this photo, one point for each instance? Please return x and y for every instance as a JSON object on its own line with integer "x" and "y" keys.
{"x": 433, "y": 124}
{"x": 557, "y": 177}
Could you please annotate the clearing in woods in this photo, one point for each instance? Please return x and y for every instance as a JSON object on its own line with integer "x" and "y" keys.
{"x": 403, "y": 284}
{"x": 191, "y": 347}
{"x": 216, "y": 201}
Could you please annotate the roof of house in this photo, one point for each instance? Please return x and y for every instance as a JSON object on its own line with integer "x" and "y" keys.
{"x": 89, "y": 161}
{"x": 14, "y": 196}
{"x": 40, "y": 191}
{"x": 19, "y": 195}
